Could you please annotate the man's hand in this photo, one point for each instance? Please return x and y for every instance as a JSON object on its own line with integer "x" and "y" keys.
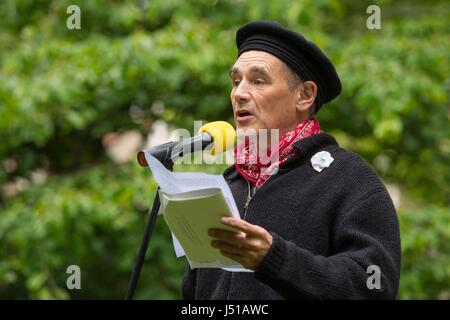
{"x": 248, "y": 247}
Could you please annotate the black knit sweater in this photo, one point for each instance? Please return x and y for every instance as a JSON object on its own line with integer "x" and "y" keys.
{"x": 327, "y": 228}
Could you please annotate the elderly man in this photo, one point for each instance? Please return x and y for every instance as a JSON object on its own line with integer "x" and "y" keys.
{"x": 321, "y": 226}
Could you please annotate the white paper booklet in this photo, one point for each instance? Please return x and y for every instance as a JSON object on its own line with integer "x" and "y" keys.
{"x": 191, "y": 203}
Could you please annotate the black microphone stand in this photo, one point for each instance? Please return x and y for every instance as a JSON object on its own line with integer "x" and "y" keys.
{"x": 168, "y": 161}
{"x": 167, "y": 153}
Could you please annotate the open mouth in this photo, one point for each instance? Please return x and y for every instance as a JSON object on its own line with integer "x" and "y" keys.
{"x": 243, "y": 115}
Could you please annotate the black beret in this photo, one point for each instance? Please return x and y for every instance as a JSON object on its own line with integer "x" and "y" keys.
{"x": 301, "y": 55}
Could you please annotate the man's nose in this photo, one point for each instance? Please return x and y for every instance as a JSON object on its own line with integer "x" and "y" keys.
{"x": 241, "y": 93}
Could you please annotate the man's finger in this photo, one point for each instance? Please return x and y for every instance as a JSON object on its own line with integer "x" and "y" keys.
{"x": 231, "y": 248}
{"x": 236, "y": 238}
{"x": 236, "y": 258}
{"x": 241, "y": 225}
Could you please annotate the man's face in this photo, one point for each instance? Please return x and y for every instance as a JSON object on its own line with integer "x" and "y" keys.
{"x": 260, "y": 95}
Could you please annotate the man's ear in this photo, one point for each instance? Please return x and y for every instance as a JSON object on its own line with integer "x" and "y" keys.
{"x": 306, "y": 95}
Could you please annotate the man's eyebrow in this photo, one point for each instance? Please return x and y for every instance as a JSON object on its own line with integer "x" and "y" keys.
{"x": 254, "y": 69}
{"x": 232, "y": 71}
{"x": 259, "y": 69}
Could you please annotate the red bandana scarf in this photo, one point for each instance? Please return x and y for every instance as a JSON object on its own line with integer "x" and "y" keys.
{"x": 250, "y": 165}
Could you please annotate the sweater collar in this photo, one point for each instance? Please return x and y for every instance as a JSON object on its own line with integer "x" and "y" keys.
{"x": 314, "y": 142}
{"x": 306, "y": 147}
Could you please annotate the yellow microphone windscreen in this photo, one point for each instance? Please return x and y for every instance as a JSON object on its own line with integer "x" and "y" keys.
{"x": 223, "y": 134}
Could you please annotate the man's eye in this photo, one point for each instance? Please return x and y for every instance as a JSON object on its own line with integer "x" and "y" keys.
{"x": 236, "y": 82}
{"x": 258, "y": 81}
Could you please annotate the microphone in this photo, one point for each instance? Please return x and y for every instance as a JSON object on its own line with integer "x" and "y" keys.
{"x": 219, "y": 133}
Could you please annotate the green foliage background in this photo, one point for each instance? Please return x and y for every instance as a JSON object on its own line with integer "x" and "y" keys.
{"x": 62, "y": 90}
